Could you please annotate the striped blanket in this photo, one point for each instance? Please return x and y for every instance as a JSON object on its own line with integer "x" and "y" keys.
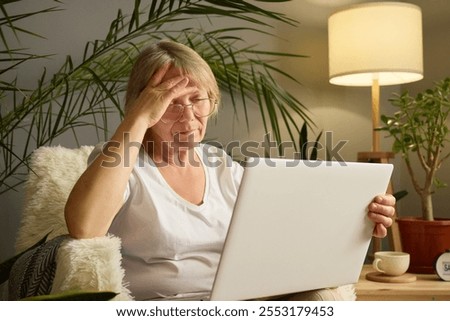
{"x": 33, "y": 273}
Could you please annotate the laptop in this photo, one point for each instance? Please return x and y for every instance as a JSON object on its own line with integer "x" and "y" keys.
{"x": 298, "y": 226}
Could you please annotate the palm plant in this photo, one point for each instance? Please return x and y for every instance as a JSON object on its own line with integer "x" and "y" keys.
{"x": 85, "y": 93}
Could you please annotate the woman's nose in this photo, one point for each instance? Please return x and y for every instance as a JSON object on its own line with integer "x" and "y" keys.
{"x": 188, "y": 113}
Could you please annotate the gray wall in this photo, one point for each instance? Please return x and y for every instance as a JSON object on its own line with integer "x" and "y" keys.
{"x": 343, "y": 110}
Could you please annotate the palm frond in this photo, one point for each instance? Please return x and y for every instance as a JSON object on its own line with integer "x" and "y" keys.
{"x": 85, "y": 93}
{"x": 9, "y": 22}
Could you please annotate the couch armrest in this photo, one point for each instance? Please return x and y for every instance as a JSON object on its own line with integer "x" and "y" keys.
{"x": 91, "y": 265}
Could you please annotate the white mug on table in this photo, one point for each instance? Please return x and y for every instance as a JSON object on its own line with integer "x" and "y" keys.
{"x": 391, "y": 262}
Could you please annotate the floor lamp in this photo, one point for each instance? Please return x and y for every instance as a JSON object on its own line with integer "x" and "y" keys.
{"x": 376, "y": 44}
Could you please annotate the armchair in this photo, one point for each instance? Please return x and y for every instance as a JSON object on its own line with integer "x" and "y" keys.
{"x": 88, "y": 264}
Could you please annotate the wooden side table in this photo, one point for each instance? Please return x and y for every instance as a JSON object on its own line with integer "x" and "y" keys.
{"x": 427, "y": 287}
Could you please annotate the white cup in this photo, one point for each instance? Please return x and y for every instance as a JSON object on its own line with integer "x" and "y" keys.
{"x": 391, "y": 262}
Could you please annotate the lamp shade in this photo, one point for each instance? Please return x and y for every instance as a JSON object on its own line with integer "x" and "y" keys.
{"x": 381, "y": 40}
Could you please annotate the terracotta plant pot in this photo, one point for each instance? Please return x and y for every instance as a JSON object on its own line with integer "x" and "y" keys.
{"x": 424, "y": 241}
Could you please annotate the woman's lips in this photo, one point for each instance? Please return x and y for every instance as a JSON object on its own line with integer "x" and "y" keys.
{"x": 186, "y": 132}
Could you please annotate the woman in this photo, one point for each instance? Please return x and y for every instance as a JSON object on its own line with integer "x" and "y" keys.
{"x": 152, "y": 185}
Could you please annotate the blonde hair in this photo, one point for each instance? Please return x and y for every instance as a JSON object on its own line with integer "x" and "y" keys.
{"x": 180, "y": 56}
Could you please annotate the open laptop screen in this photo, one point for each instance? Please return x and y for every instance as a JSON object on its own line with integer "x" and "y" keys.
{"x": 297, "y": 226}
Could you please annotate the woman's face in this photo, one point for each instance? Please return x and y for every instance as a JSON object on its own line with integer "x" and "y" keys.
{"x": 189, "y": 128}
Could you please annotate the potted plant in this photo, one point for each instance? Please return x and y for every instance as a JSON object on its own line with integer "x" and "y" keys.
{"x": 421, "y": 131}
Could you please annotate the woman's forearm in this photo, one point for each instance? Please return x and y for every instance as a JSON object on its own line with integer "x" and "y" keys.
{"x": 98, "y": 194}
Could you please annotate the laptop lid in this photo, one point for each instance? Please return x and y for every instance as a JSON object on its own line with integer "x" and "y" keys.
{"x": 297, "y": 226}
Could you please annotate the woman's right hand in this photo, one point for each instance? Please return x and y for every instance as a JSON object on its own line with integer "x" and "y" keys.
{"x": 157, "y": 95}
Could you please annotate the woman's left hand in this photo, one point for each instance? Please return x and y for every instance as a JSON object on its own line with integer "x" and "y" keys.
{"x": 381, "y": 212}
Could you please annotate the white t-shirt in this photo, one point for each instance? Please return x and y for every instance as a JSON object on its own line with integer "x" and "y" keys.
{"x": 170, "y": 246}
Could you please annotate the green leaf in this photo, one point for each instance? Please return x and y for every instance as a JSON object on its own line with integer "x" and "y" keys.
{"x": 75, "y": 296}
{"x": 400, "y": 194}
{"x": 439, "y": 184}
{"x": 315, "y": 149}
{"x": 303, "y": 142}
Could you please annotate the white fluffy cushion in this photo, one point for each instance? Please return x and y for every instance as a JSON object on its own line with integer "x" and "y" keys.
{"x": 88, "y": 264}
{"x": 54, "y": 172}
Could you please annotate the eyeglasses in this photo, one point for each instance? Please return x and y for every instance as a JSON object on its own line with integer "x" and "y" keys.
{"x": 201, "y": 107}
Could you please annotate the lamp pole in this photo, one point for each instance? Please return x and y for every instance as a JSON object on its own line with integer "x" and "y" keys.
{"x": 375, "y": 115}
